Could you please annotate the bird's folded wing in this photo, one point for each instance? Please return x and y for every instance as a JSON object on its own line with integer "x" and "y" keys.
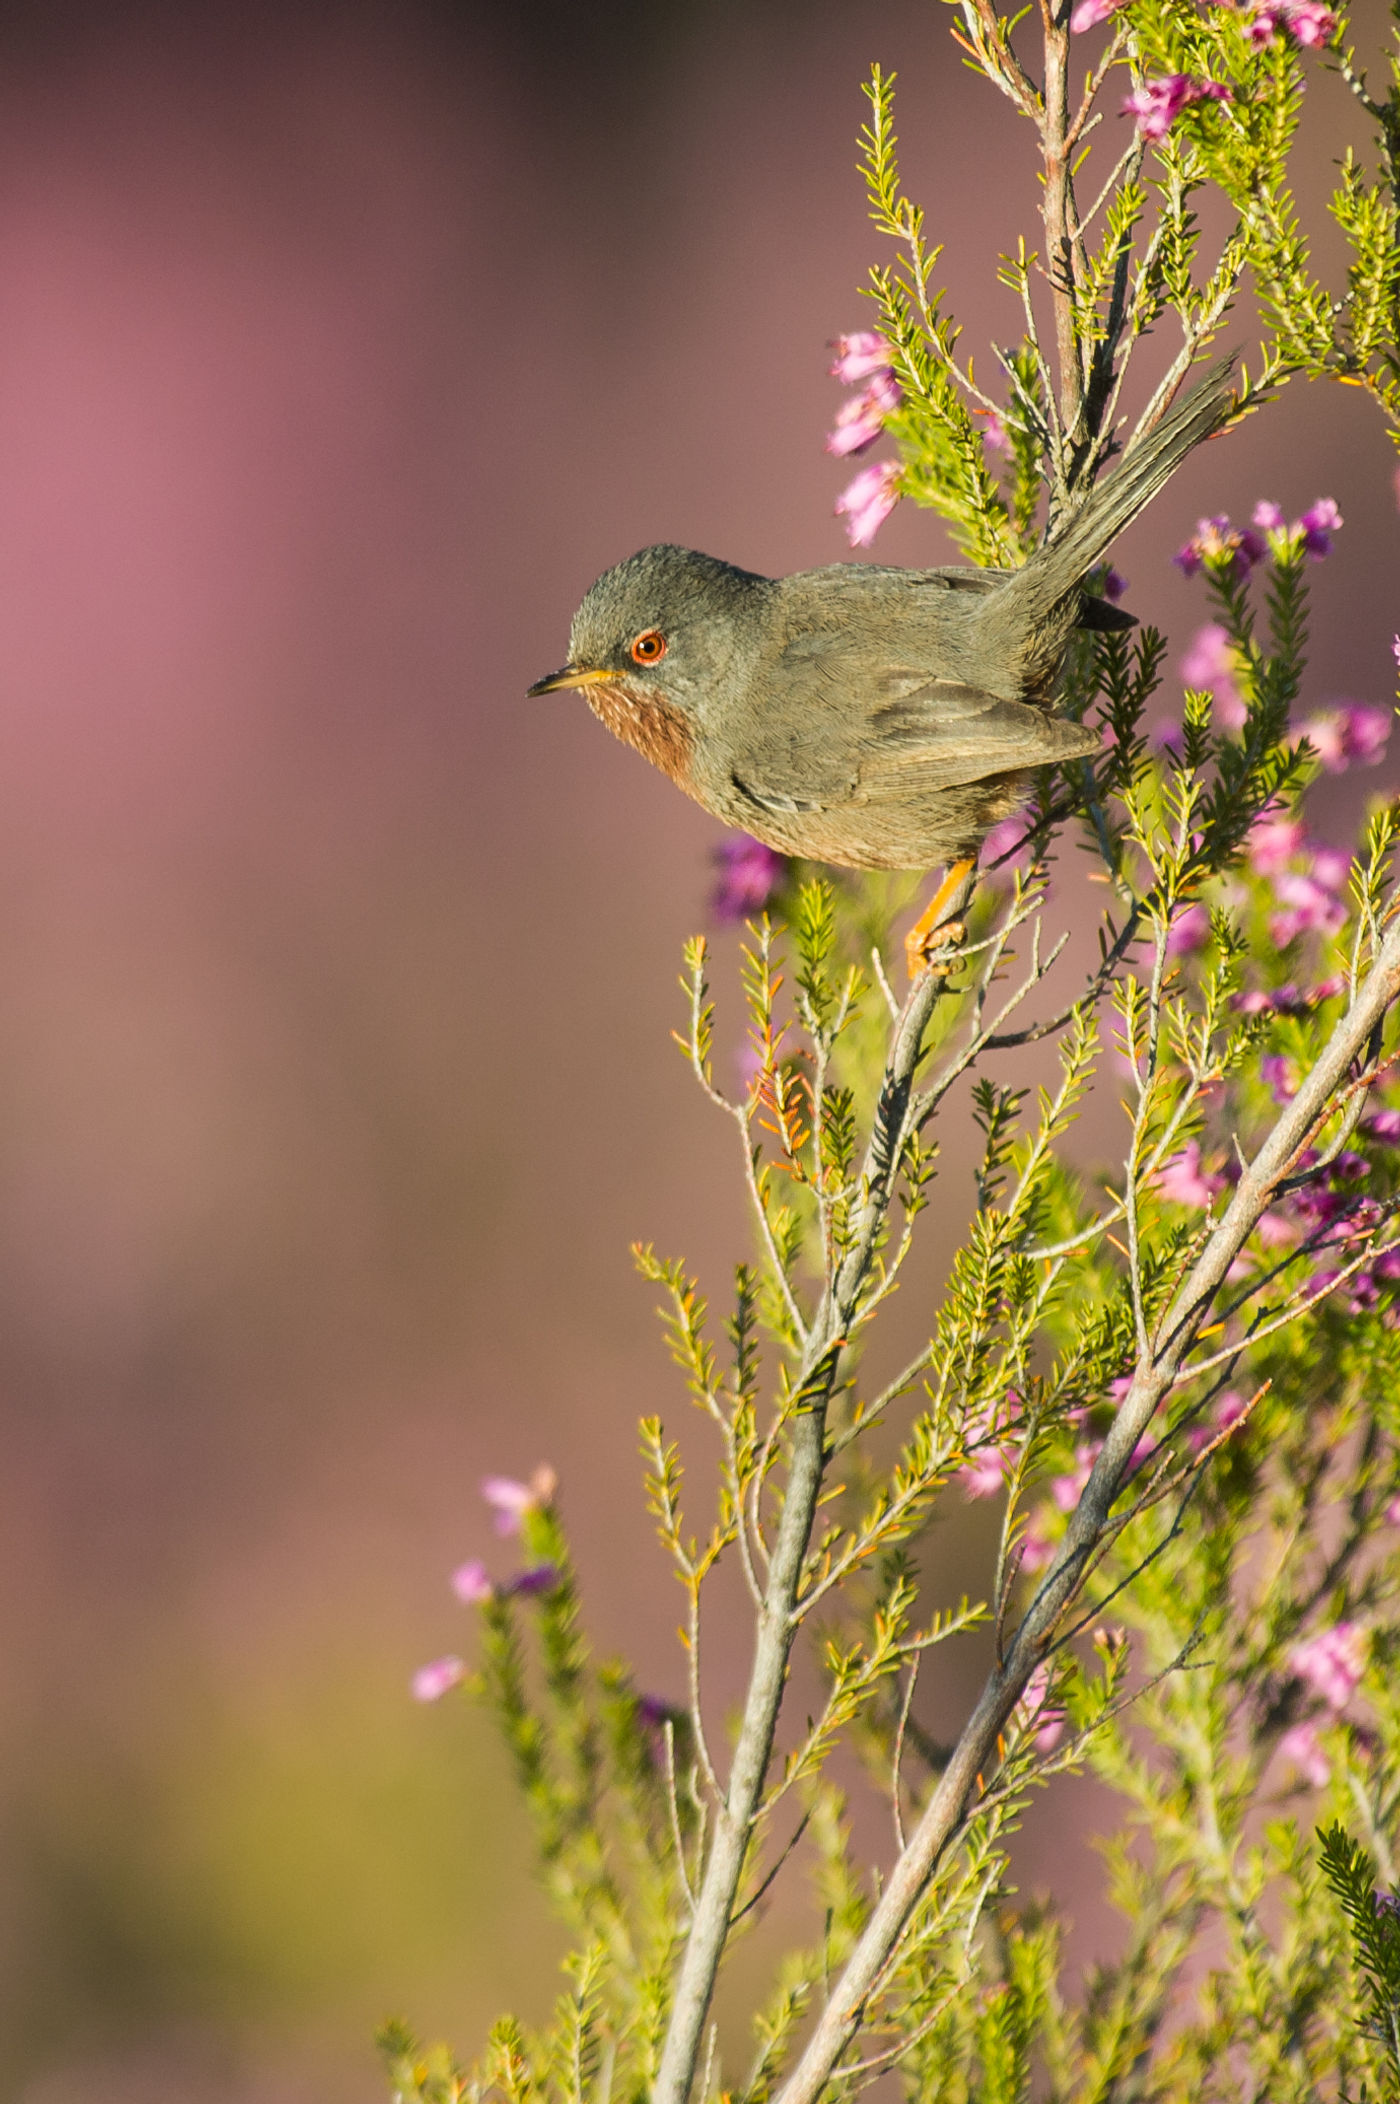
{"x": 814, "y": 751}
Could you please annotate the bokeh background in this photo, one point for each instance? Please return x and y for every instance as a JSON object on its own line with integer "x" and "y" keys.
{"x": 340, "y": 347}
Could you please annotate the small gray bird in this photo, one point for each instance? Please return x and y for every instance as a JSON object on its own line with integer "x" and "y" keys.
{"x": 873, "y": 717}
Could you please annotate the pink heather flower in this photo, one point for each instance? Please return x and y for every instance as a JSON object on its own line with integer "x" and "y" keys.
{"x": 1181, "y": 1179}
{"x": 1331, "y": 866}
{"x": 1228, "y": 1411}
{"x": 1090, "y": 13}
{"x": 1349, "y": 735}
{"x": 1272, "y": 842}
{"x": 1235, "y": 549}
{"x": 1302, "y": 1747}
{"x": 1275, "y": 1230}
{"x": 1313, "y": 532}
{"x": 431, "y": 1682}
{"x": 1319, "y": 522}
{"x": 1209, "y": 667}
{"x": 1277, "y": 1074}
{"x": 868, "y": 501}
{"x": 471, "y": 1582}
{"x": 1049, "y": 1722}
{"x": 749, "y": 874}
{"x": 860, "y": 421}
{"x": 859, "y": 355}
{"x": 1067, "y": 1490}
{"x": 1383, "y": 1125}
{"x": 1190, "y": 930}
{"x": 1306, "y": 905}
{"x": 1157, "y": 104}
{"x": 1036, "y": 1547}
{"x": 511, "y": 1500}
{"x": 994, "y": 433}
{"x": 1332, "y": 1662}
{"x": 985, "y": 1475}
{"x": 1302, "y": 21}
{"x": 1011, "y": 838}
{"x": 1392, "y": 1513}
{"x": 986, "y": 1439}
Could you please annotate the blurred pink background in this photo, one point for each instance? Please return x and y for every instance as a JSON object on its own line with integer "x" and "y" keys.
{"x": 340, "y": 348}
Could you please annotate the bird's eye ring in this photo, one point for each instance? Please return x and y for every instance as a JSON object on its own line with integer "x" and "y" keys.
{"x": 649, "y": 646}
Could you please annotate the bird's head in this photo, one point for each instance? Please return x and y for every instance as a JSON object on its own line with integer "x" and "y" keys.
{"x": 660, "y": 630}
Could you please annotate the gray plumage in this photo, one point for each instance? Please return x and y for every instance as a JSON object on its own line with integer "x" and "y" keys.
{"x": 874, "y": 717}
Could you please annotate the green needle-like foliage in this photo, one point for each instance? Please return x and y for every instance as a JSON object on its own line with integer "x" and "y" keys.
{"x": 1173, "y": 1377}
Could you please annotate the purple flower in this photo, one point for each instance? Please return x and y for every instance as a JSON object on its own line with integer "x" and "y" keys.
{"x": 1157, "y": 104}
{"x": 471, "y": 1582}
{"x": 1277, "y": 1073}
{"x": 431, "y": 1682}
{"x": 1067, "y": 1490}
{"x": 1350, "y": 735}
{"x": 1114, "y": 585}
{"x": 986, "y": 1440}
{"x": 1303, "y": 21}
{"x": 859, "y": 355}
{"x": 1190, "y": 930}
{"x": 1036, "y": 1547}
{"x": 1302, "y": 1747}
{"x": 860, "y": 421}
{"x": 1090, "y": 13}
{"x": 1382, "y": 1125}
{"x": 1332, "y": 1663}
{"x": 540, "y": 1578}
{"x": 985, "y": 1475}
{"x": 749, "y": 874}
{"x": 994, "y": 434}
{"x": 512, "y": 1500}
{"x": 1011, "y": 837}
{"x": 1181, "y": 1179}
{"x": 1319, "y": 522}
{"x": 1209, "y": 667}
{"x": 1048, "y": 1721}
{"x": 1231, "y": 550}
{"x": 1312, "y": 533}
{"x": 1331, "y": 866}
{"x": 868, "y": 501}
{"x": 1272, "y": 842}
{"x": 1306, "y": 905}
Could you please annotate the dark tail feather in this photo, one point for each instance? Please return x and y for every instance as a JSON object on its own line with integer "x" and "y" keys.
{"x": 1056, "y": 568}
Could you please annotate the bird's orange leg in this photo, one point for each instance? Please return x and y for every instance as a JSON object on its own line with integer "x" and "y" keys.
{"x": 934, "y": 930}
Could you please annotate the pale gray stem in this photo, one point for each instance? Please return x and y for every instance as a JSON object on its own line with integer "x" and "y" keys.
{"x": 1155, "y": 1372}
{"x": 777, "y": 1627}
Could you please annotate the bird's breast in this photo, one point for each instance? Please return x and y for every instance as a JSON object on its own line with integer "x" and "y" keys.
{"x": 646, "y": 721}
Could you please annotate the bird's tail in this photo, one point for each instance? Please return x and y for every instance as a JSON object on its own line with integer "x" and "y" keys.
{"x": 1058, "y": 567}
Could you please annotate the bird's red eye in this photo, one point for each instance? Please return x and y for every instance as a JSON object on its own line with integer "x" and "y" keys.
{"x": 649, "y": 646}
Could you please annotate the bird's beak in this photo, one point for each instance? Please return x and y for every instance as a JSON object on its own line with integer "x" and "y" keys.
{"x": 571, "y": 676}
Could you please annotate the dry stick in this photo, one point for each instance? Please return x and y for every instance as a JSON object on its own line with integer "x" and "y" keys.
{"x": 1155, "y": 1372}
{"x": 1059, "y": 214}
{"x": 777, "y": 1628}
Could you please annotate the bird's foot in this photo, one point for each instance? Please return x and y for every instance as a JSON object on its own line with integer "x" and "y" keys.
{"x": 937, "y": 929}
{"x": 923, "y": 953}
